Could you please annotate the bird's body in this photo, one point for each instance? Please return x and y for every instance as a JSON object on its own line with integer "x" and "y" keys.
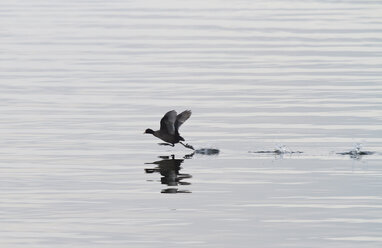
{"x": 172, "y": 139}
{"x": 169, "y": 127}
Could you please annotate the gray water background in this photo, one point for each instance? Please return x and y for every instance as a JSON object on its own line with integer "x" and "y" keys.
{"x": 81, "y": 80}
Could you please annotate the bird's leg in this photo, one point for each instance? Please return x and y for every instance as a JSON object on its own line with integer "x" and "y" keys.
{"x": 187, "y": 146}
{"x": 166, "y": 144}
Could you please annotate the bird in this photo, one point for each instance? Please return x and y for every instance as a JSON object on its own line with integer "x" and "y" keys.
{"x": 169, "y": 128}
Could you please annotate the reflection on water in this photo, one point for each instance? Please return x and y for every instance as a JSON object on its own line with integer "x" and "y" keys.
{"x": 169, "y": 168}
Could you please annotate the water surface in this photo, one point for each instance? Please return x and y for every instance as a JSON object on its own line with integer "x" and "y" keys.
{"x": 82, "y": 80}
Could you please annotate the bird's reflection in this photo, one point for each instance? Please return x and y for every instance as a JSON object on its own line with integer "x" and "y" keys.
{"x": 169, "y": 168}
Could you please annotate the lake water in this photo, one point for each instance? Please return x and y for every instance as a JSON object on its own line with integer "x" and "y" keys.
{"x": 81, "y": 80}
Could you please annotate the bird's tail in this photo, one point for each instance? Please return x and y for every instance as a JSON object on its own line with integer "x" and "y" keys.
{"x": 181, "y": 138}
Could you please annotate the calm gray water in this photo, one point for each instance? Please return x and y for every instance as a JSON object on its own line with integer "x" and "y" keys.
{"x": 81, "y": 80}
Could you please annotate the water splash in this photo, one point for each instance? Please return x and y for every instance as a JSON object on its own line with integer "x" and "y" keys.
{"x": 207, "y": 151}
{"x": 356, "y": 149}
{"x": 282, "y": 149}
{"x": 356, "y": 152}
{"x": 279, "y": 150}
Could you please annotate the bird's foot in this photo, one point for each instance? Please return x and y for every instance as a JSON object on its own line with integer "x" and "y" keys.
{"x": 188, "y": 146}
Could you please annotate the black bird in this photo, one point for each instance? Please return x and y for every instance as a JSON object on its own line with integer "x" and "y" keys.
{"x": 169, "y": 128}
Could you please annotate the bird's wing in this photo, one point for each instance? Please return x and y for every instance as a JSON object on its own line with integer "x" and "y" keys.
{"x": 181, "y": 118}
{"x": 167, "y": 123}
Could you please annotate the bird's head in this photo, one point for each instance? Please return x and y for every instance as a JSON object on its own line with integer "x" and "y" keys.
{"x": 148, "y": 130}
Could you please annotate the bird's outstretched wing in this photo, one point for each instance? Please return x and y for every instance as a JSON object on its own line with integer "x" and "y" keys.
{"x": 167, "y": 123}
{"x": 181, "y": 118}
